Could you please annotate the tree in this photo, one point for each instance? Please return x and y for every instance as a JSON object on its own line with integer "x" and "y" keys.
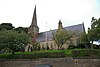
{"x": 7, "y": 26}
{"x": 83, "y": 40}
{"x": 20, "y": 29}
{"x": 22, "y": 40}
{"x": 92, "y": 36}
{"x": 36, "y": 46}
{"x": 94, "y": 31}
{"x": 3, "y": 38}
{"x": 61, "y": 38}
{"x": 12, "y": 39}
{"x": 8, "y": 38}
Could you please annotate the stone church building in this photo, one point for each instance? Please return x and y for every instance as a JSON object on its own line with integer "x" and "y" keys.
{"x": 45, "y": 38}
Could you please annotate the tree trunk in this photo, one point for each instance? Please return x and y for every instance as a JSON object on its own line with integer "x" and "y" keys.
{"x": 58, "y": 47}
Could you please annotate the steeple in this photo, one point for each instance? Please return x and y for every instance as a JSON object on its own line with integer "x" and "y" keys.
{"x": 34, "y": 19}
{"x": 34, "y": 29}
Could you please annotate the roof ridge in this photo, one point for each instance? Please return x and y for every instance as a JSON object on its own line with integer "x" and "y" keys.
{"x": 74, "y": 25}
{"x": 63, "y": 27}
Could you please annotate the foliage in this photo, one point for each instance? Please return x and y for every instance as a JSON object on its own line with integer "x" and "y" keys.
{"x": 89, "y": 53}
{"x": 12, "y": 39}
{"x": 7, "y": 26}
{"x": 81, "y": 45}
{"x": 62, "y": 37}
{"x": 95, "y": 23}
{"x": 83, "y": 40}
{"x": 22, "y": 39}
{"x": 36, "y": 46}
{"x": 94, "y": 31}
{"x": 20, "y": 29}
{"x": 80, "y": 53}
{"x": 68, "y": 52}
{"x": 33, "y": 55}
{"x": 72, "y": 47}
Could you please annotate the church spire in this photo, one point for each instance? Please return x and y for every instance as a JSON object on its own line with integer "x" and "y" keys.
{"x": 34, "y": 29}
{"x": 34, "y": 19}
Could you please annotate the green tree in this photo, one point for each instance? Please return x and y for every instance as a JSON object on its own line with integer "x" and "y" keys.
{"x": 61, "y": 38}
{"x": 12, "y": 39}
{"x": 92, "y": 36}
{"x": 94, "y": 31}
{"x": 22, "y": 40}
{"x": 3, "y": 39}
{"x": 7, "y": 26}
{"x": 83, "y": 39}
{"x": 20, "y": 29}
{"x": 8, "y": 38}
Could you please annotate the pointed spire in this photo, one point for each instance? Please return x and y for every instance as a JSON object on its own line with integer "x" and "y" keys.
{"x": 34, "y": 11}
{"x": 33, "y": 27}
{"x": 34, "y": 19}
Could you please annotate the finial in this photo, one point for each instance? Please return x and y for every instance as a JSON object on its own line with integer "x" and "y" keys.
{"x": 60, "y": 21}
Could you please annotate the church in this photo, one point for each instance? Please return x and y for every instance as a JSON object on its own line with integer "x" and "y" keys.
{"x": 45, "y": 38}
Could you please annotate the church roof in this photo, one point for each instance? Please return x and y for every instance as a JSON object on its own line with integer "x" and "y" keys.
{"x": 41, "y": 37}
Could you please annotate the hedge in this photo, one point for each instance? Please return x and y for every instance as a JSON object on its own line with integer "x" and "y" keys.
{"x": 77, "y": 53}
{"x": 34, "y": 55}
{"x": 91, "y": 53}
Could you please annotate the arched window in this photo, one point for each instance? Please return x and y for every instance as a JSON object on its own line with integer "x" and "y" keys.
{"x": 43, "y": 46}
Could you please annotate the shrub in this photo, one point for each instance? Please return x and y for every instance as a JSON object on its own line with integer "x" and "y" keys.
{"x": 92, "y": 53}
{"x": 33, "y": 55}
{"x": 80, "y": 45}
{"x": 71, "y": 47}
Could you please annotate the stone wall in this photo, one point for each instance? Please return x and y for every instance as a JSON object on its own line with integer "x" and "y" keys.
{"x": 55, "y": 62}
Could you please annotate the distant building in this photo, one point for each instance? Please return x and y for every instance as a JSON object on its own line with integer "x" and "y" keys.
{"x": 45, "y": 38}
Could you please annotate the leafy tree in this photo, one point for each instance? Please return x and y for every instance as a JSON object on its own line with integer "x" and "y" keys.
{"x": 95, "y": 23}
{"x": 22, "y": 40}
{"x": 94, "y": 31}
{"x": 36, "y": 46}
{"x": 7, "y": 26}
{"x": 8, "y": 38}
{"x": 83, "y": 39}
{"x": 92, "y": 36}
{"x": 2, "y": 40}
{"x": 12, "y": 39}
{"x": 20, "y": 29}
{"x": 61, "y": 38}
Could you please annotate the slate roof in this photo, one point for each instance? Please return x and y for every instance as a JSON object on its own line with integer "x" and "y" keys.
{"x": 41, "y": 37}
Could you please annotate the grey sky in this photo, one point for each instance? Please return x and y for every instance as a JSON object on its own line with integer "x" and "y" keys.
{"x": 71, "y": 12}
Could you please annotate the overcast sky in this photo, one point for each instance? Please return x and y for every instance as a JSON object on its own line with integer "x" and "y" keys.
{"x": 70, "y": 12}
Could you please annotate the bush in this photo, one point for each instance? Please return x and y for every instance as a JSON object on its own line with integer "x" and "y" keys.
{"x": 34, "y": 55}
{"x": 81, "y": 45}
{"x": 72, "y": 47}
{"x": 92, "y": 53}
